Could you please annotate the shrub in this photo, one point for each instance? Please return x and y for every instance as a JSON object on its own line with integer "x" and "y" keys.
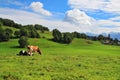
{"x": 67, "y": 37}
{"x": 9, "y": 32}
{"x": 24, "y": 32}
{"x": 4, "y": 34}
{"x": 23, "y": 41}
{"x": 17, "y": 34}
{"x": 57, "y": 35}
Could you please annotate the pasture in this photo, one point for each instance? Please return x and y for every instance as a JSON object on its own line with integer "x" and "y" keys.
{"x": 80, "y": 60}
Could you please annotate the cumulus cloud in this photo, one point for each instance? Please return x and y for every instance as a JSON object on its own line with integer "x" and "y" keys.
{"x": 38, "y": 7}
{"x": 104, "y": 5}
{"x": 78, "y": 17}
{"x": 89, "y": 24}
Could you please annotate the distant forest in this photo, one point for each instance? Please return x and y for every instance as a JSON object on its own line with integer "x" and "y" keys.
{"x": 24, "y": 30}
{"x": 31, "y": 31}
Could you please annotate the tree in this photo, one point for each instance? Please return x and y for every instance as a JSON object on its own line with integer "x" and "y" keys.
{"x": 100, "y": 37}
{"x": 17, "y": 25}
{"x": 82, "y": 35}
{"x": 76, "y": 35}
{"x": 8, "y": 22}
{"x": 57, "y": 35}
{"x": 94, "y": 38}
{"x": 17, "y": 34}
{"x": 24, "y": 32}
{"x": 4, "y": 35}
{"x": 9, "y": 32}
{"x": 67, "y": 37}
{"x": 116, "y": 41}
{"x": 37, "y": 35}
{"x": 40, "y": 27}
{"x": 23, "y": 41}
{"x": 30, "y": 31}
{"x": 1, "y": 34}
{"x": 42, "y": 30}
{"x": 33, "y": 34}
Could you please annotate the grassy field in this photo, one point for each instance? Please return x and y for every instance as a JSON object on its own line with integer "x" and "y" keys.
{"x": 80, "y": 60}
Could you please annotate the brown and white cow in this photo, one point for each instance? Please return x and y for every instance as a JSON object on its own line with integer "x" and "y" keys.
{"x": 32, "y": 49}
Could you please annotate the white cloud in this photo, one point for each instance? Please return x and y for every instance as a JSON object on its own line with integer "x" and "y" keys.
{"x": 113, "y": 6}
{"x": 86, "y": 23}
{"x": 117, "y": 19}
{"x": 87, "y": 4}
{"x": 24, "y": 17}
{"x": 38, "y": 7}
{"x": 104, "y": 5}
{"x": 78, "y": 17}
{"x": 97, "y": 26}
{"x": 89, "y": 24}
{"x": 81, "y": 19}
{"x": 19, "y": 16}
{"x": 11, "y": 2}
{"x": 108, "y": 23}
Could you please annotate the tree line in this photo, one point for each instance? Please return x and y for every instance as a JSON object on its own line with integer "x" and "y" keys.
{"x": 24, "y": 30}
{"x": 28, "y": 31}
{"x": 31, "y": 31}
{"x": 68, "y": 37}
{"x": 5, "y": 34}
{"x": 23, "y": 33}
{"x": 11, "y": 23}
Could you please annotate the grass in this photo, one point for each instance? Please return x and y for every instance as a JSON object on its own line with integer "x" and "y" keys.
{"x": 80, "y": 60}
{"x": 12, "y": 28}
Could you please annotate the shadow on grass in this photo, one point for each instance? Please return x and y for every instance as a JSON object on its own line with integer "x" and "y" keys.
{"x": 61, "y": 42}
{"x": 16, "y": 47}
{"x": 51, "y": 40}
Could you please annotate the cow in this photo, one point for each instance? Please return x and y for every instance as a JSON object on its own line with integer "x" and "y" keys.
{"x": 32, "y": 49}
{"x": 23, "y": 53}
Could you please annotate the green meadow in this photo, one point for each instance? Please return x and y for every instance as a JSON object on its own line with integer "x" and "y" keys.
{"x": 80, "y": 60}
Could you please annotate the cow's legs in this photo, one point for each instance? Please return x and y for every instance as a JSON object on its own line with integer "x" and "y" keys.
{"x": 30, "y": 53}
{"x": 39, "y": 51}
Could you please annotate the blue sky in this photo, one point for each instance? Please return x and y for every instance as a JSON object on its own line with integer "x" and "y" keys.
{"x": 96, "y": 16}
{"x": 53, "y": 6}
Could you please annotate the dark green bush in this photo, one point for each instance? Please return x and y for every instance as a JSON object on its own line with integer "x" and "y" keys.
{"x": 57, "y": 35}
{"x": 23, "y": 41}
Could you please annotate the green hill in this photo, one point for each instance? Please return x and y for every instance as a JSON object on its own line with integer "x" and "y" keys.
{"x": 78, "y": 46}
{"x": 12, "y": 28}
{"x": 81, "y": 60}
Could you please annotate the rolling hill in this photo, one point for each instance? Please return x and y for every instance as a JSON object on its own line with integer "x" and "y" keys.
{"x": 82, "y": 59}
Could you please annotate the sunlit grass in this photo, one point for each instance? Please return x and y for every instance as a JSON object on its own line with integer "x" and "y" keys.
{"x": 79, "y": 60}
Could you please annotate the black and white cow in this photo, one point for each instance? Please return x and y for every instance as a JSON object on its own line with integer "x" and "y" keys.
{"x": 23, "y": 53}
